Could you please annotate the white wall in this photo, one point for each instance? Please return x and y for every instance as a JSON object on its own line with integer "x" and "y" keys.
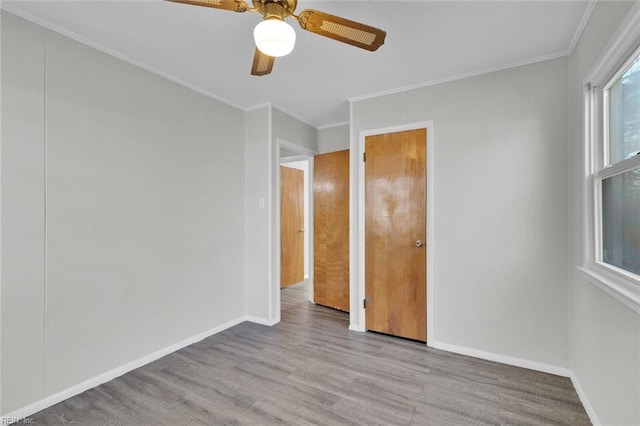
{"x": 293, "y": 130}
{"x": 22, "y": 214}
{"x": 604, "y": 334}
{"x": 125, "y": 195}
{"x": 500, "y": 246}
{"x": 334, "y": 138}
{"x": 257, "y": 167}
{"x": 226, "y": 208}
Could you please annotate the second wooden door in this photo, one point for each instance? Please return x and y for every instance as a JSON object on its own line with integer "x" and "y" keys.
{"x": 395, "y": 234}
{"x": 291, "y": 226}
{"x": 331, "y": 230}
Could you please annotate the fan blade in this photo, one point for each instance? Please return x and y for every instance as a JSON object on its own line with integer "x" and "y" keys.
{"x": 233, "y": 5}
{"x": 262, "y": 64}
{"x": 341, "y": 29}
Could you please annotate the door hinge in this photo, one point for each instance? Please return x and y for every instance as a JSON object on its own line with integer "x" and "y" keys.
{"x": 364, "y": 302}
{"x": 364, "y": 156}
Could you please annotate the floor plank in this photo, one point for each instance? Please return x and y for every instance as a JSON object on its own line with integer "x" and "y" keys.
{"x": 309, "y": 370}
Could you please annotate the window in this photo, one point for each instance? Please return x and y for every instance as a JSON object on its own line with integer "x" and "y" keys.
{"x": 617, "y": 181}
{"x": 612, "y": 166}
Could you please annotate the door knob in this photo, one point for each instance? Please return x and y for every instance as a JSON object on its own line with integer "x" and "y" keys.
{"x": 419, "y": 243}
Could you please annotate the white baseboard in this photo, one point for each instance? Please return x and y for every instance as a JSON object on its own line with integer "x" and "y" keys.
{"x": 261, "y": 321}
{"x": 532, "y": 365}
{"x": 591, "y": 412}
{"x": 47, "y": 402}
{"x": 504, "y": 359}
{"x": 356, "y": 327}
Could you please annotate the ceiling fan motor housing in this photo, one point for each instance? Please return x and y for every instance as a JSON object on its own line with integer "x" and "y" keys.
{"x": 276, "y": 9}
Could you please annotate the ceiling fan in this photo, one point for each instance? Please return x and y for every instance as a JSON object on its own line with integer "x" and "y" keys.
{"x": 274, "y": 37}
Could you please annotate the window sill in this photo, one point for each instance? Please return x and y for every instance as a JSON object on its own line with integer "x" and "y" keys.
{"x": 624, "y": 290}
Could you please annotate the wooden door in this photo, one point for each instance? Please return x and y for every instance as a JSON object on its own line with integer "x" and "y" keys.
{"x": 291, "y": 226}
{"x": 331, "y": 230}
{"x": 395, "y": 234}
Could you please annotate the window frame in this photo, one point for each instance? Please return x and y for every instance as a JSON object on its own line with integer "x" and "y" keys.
{"x": 617, "y": 58}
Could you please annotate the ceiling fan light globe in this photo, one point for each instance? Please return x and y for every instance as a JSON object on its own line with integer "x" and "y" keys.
{"x": 274, "y": 37}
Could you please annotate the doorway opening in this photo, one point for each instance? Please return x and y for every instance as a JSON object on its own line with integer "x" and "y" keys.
{"x": 298, "y": 159}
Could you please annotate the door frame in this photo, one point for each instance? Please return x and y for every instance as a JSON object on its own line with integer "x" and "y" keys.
{"x": 357, "y": 285}
{"x": 303, "y": 154}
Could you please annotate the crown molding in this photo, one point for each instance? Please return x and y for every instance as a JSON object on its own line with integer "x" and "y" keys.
{"x": 330, "y": 126}
{"x": 460, "y": 76}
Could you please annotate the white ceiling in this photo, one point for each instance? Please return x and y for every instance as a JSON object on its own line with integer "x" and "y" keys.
{"x": 212, "y": 50}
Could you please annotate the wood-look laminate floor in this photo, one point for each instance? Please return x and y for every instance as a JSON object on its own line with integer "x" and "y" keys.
{"x": 310, "y": 369}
